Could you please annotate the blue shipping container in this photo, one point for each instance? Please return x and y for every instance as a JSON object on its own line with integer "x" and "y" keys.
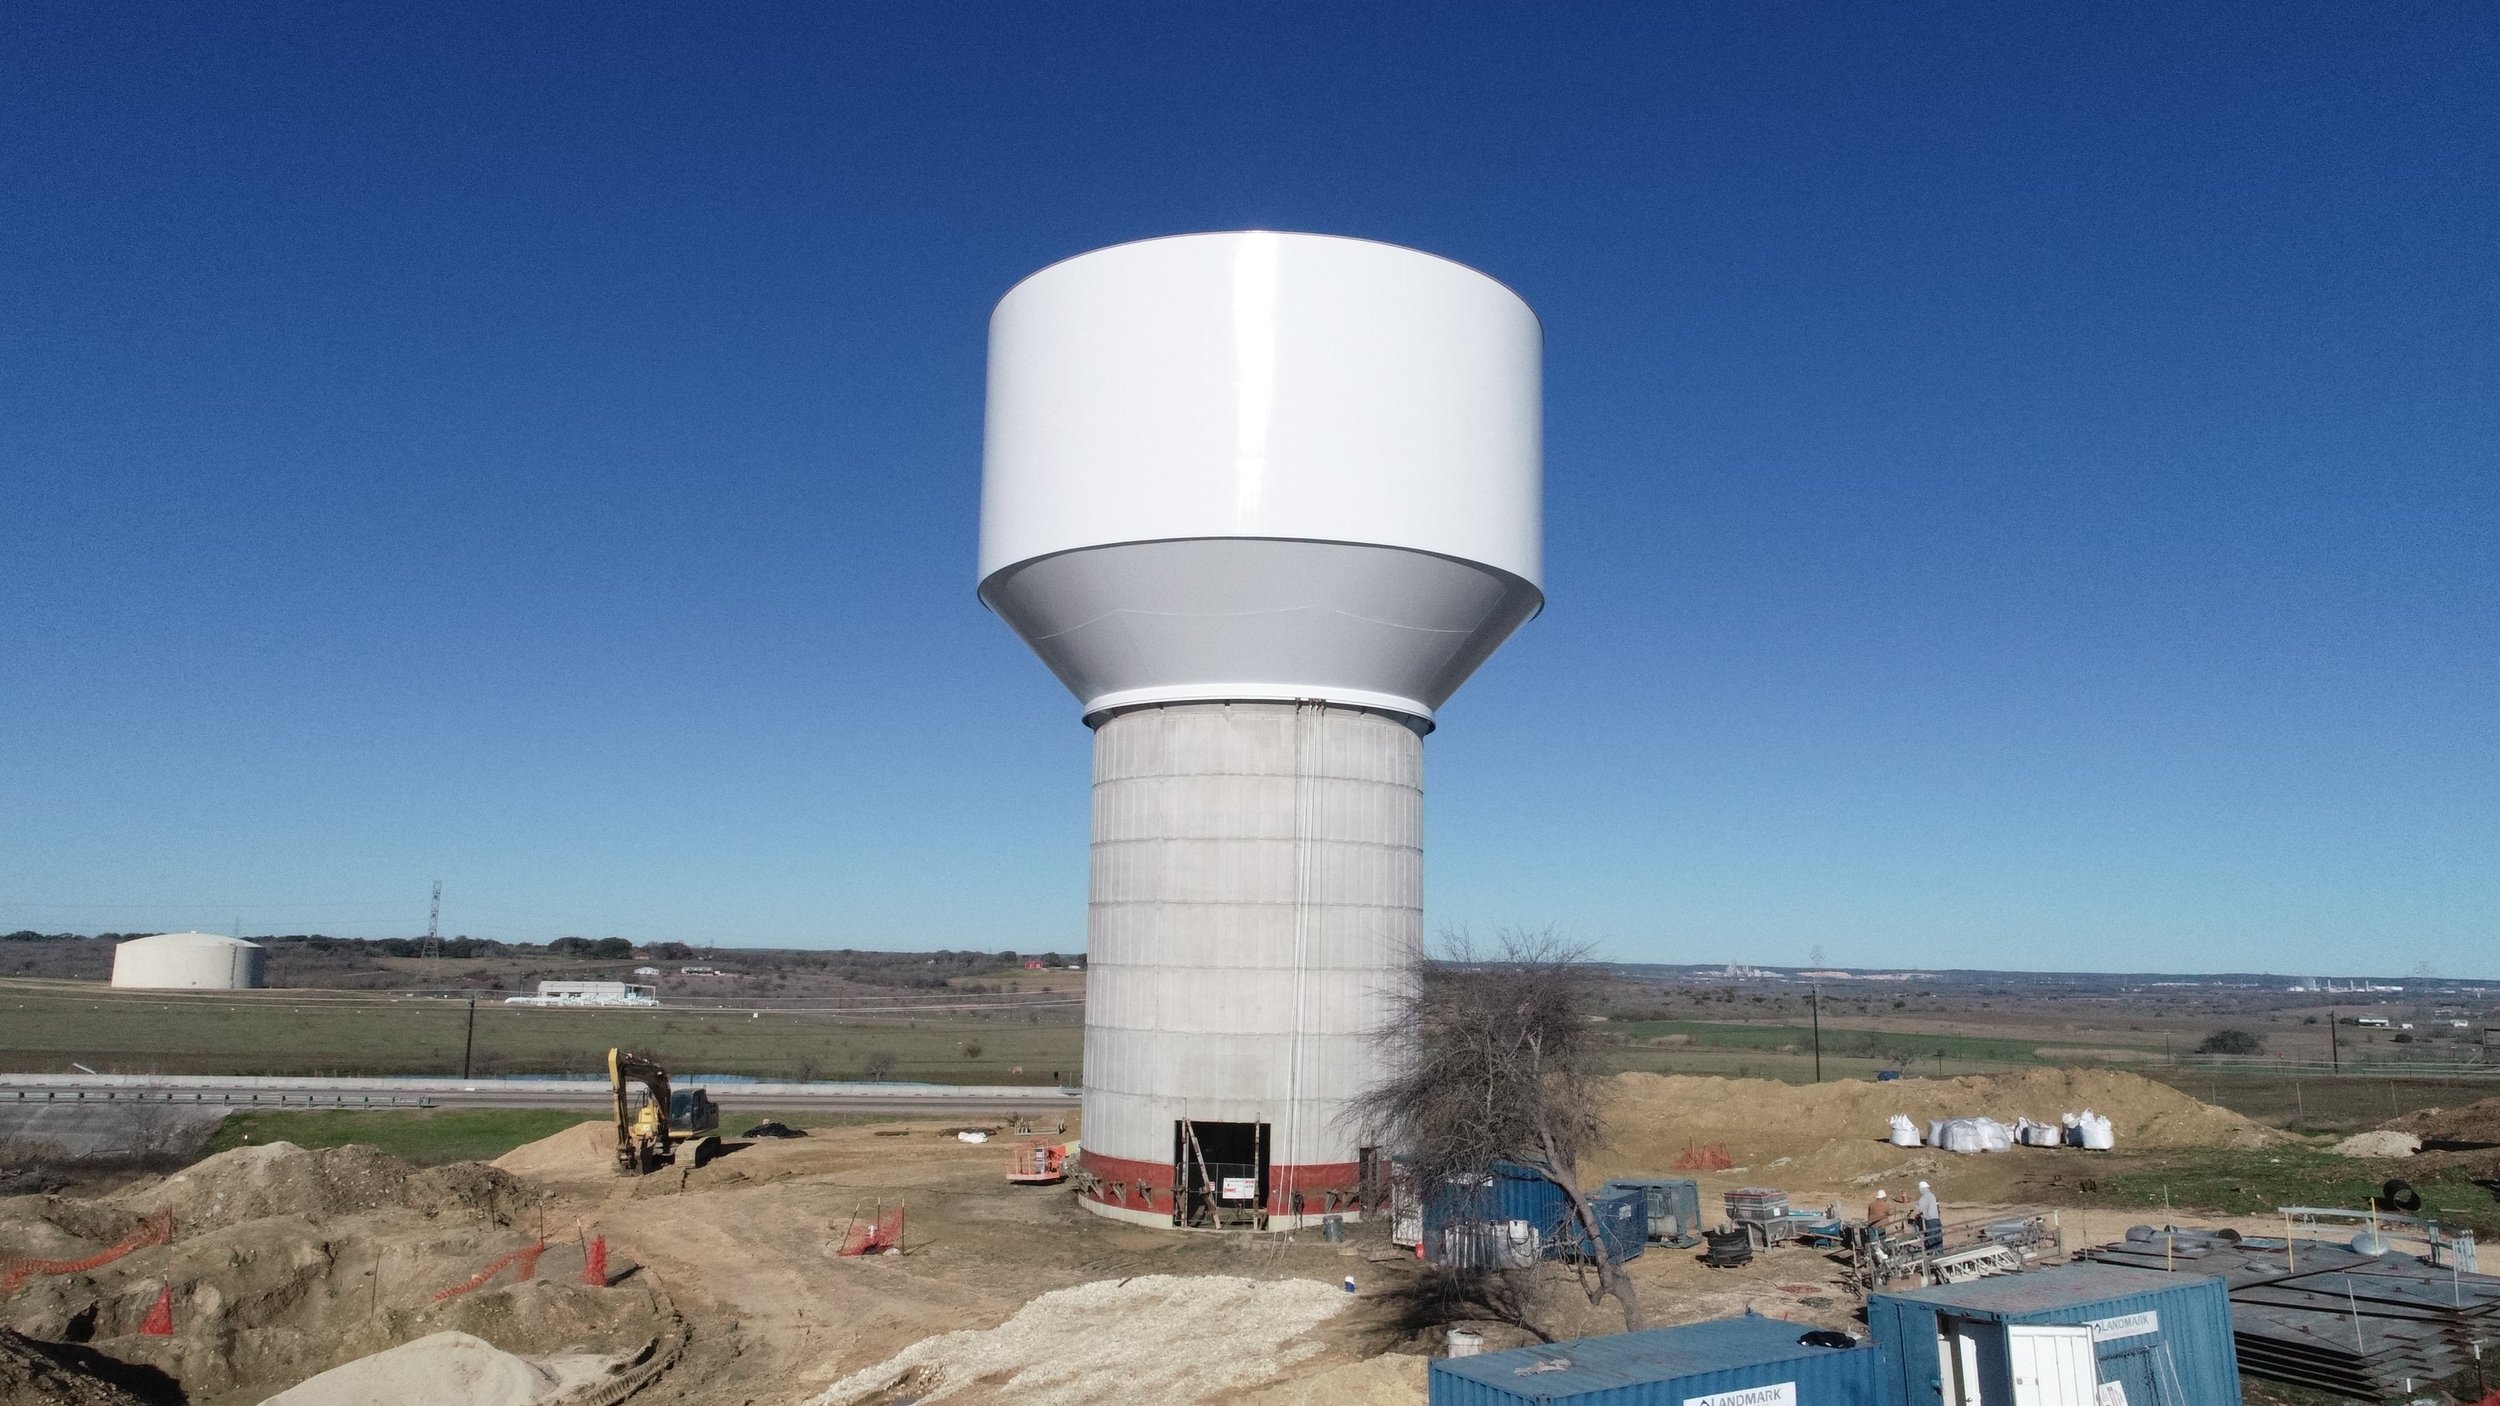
{"x": 1460, "y": 1223}
{"x": 1674, "y": 1205}
{"x": 1622, "y": 1224}
{"x": 1745, "y": 1361}
{"x": 2165, "y": 1339}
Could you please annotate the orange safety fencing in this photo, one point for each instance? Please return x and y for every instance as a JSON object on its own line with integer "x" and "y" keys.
{"x": 160, "y": 1320}
{"x": 526, "y": 1257}
{"x": 873, "y": 1234}
{"x": 595, "y": 1263}
{"x": 1710, "y": 1157}
{"x": 157, "y": 1229}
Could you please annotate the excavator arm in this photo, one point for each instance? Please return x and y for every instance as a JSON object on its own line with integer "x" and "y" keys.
{"x": 642, "y": 1140}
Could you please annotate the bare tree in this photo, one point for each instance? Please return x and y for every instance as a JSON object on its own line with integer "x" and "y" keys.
{"x": 1494, "y": 1060}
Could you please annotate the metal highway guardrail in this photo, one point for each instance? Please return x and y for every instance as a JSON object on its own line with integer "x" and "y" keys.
{"x": 248, "y": 1091}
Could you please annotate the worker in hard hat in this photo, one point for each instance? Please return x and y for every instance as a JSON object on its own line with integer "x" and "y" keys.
{"x": 1930, "y": 1217}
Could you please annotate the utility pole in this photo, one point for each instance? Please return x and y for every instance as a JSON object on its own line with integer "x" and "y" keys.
{"x": 433, "y": 926}
{"x": 470, "y": 1043}
{"x": 1814, "y": 998}
{"x": 2334, "y": 1043}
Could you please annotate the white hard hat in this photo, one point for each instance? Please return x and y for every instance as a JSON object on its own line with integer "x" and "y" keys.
{"x": 1922, "y": 1186}
{"x": 1882, "y": 1195}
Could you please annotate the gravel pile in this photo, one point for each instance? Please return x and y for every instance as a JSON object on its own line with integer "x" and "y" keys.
{"x": 2378, "y": 1144}
{"x": 1159, "y": 1338}
{"x": 445, "y": 1369}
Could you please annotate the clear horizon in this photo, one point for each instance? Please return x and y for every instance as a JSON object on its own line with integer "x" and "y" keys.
{"x": 2020, "y": 485}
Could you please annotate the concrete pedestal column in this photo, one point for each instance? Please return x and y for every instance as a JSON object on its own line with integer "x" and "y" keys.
{"x": 1257, "y": 906}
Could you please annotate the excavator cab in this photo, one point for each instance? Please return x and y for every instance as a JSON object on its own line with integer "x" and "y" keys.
{"x": 648, "y": 1129}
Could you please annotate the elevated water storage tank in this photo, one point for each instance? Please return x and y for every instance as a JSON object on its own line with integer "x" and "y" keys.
{"x": 1262, "y": 502}
{"x": 188, "y": 961}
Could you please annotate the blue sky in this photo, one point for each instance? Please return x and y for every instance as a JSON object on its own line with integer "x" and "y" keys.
{"x": 2022, "y": 482}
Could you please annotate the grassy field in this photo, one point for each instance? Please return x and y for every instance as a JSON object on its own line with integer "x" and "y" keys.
{"x": 2339, "y": 1104}
{"x": 1889, "y": 1048}
{"x": 427, "y": 1139}
{"x": 2237, "y": 1182}
{"x": 44, "y": 1026}
{"x": 1786, "y": 1052}
{"x": 457, "y": 1134}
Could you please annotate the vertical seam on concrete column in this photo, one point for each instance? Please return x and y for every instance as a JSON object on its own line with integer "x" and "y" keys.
{"x": 1302, "y": 727}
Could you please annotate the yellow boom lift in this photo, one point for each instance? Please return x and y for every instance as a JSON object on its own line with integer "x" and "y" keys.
{"x": 647, "y": 1133}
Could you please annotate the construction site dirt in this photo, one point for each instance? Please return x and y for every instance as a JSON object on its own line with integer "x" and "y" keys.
{"x": 723, "y": 1285}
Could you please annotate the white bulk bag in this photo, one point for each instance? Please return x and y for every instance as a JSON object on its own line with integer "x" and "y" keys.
{"x": 1904, "y": 1132}
{"x": 1974, "y": 1135}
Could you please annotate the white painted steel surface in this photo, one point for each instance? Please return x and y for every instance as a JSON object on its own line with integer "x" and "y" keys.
{"x": 188, "y": 961}
{"x": 2052, "y": 1365}
{"x": 1257, "y": 384}
{"x": 1257, "y": 903}
{"x": 1150, "y": 622}
{"x": 1262, "y": 465}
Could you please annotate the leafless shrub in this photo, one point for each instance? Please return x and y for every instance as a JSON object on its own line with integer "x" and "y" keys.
{"x": 1492, "y": 1059}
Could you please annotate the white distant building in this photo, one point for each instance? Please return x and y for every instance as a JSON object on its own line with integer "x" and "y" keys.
{"x": 589, "y": 993}
{"x": 188, "y": 961}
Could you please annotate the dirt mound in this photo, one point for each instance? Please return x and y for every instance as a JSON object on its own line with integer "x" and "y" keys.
{"x": 286, "y": 1261}
{"x": 1158, "y": 1337}
{"x": 442, "y": 1369}
{"x": 2474, "y": 1125}
{"x": 583, "y": 1152}
{"x": 1837, "y": 1129}
{"x": 34, "y": 1373}
{"x": 279, "y": 1178}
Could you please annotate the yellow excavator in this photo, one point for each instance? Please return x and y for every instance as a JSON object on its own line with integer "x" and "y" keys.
{"x": 647, "y": 1133}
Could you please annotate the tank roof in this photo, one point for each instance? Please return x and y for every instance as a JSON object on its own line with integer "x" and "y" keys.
{"x": 185, "y": 939}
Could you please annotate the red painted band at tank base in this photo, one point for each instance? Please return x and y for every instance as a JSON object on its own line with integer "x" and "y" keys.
{"x": 1325, "y": 1187}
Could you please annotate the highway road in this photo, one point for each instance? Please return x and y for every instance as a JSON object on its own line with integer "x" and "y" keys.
{"x": 900, "y": 1099}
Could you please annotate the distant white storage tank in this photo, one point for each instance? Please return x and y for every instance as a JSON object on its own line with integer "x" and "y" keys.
{"x": 188, "y": 961}
{"x": 1262, "y": 502}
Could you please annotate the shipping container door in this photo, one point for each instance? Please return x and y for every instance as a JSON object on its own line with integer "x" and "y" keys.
{"x": 2052, "y": 1366}
{"x": 1957, "y": 1362}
